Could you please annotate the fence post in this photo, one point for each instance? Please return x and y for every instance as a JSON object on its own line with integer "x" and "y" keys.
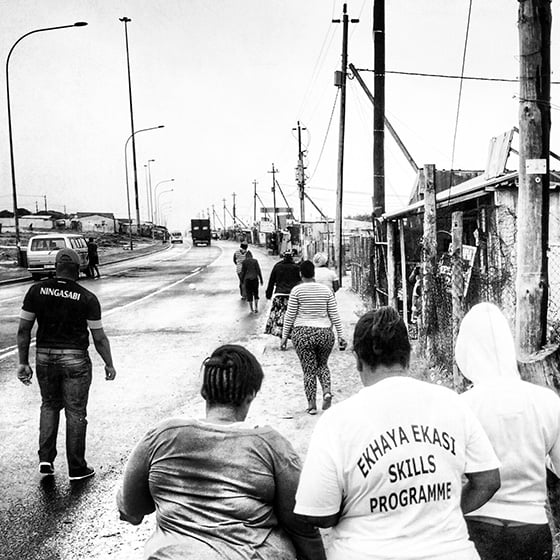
{"x": 457, "y": 287}
{"x": 391, "y": 266}
{"x": 404, "y": 276}
{"x": 429, "y": 256}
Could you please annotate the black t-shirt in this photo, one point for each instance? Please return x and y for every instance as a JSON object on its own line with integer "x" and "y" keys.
{"x": 64, "y": 310}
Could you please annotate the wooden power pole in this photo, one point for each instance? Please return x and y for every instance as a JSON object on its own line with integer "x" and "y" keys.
{"x": 255, "y": 183}
{"x": 274, "y": 171}
{"x": 534, "y": 23}
{"x": 300, "y": 174}
{"x": 340, "y": 81}
{"x": 379, "y": 108}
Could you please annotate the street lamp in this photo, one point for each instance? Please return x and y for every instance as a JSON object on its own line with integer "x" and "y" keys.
{"x": 155, "y": 192}
{"x": 151, "y": 208}
{"x": 127, "y": 20}
{"x": 12, "y": 164}
{"x": 126, "y": 175}
{"x": 157, "y": 204}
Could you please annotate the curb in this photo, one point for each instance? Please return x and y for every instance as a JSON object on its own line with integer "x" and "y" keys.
{"x": 148, "y": 251}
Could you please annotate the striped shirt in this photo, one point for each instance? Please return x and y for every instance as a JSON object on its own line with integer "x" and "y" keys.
{"x": 311, "y": 305}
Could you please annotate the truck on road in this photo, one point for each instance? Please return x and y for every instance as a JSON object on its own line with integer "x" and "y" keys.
{"x": 200, "y": 232}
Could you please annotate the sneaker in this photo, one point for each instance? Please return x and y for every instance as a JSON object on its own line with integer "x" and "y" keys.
{"x": 85, "y": 472}
{"x": 46, "y": 468}
{"x": 327, "y": 401}
{"x": 311, "y": 411}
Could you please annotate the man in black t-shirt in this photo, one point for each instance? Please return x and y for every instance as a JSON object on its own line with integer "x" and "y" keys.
{"x": 64, "y": 311}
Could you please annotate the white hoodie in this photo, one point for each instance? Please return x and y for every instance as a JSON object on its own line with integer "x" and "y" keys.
{"x": 521, "y": 419}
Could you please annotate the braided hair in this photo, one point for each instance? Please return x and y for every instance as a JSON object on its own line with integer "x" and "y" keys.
{"x": 230, "y": 374}
{"x": 381, "y": 338}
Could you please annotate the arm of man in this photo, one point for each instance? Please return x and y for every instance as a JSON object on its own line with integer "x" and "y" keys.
{"x": 480, "y": 487}
{"x": 24, "y": 371}
{"x": 101, "y": 343}
{"x": 259, "y": 272}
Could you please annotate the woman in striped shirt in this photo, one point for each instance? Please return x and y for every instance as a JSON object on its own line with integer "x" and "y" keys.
{"x": 311, "y": 312}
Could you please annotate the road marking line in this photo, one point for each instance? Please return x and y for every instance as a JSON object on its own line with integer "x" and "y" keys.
{"x": 161, "y": 290}
{"x": 12, "y": 350}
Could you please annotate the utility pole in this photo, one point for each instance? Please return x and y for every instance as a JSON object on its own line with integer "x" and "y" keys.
{"x": 340, "y": 81}
{"x": 213, "y": 217}
{"x": 534, "y": 23}
{"x": 300, "y": 175}
{"x": 127, "y": 20}
{"x": 274, "y": 171}
{"x": 255, "y": 201}
{"x": 234, "y": 215}
{"x": 45, "y": 199}
{"x": 379, "y": 108}
{"x": 224, "y": 213}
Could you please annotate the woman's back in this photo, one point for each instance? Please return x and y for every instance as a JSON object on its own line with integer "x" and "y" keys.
{"x": 216, "y": 484}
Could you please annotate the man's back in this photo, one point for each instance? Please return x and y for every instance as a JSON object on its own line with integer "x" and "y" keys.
{"x": 63, "y": 309}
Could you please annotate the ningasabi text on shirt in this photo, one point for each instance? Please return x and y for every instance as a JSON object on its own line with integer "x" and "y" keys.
{"x": 56, "y": 292}
{"x": 407, "y": 468}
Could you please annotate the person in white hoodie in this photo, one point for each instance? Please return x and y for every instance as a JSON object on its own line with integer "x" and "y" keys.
{"x": 522, "y": 421}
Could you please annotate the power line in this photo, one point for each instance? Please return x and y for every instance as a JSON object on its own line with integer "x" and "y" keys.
{"x": 326, "y": 135}
{"x": 448, "y": 76}
{"x": 460, "y": 91}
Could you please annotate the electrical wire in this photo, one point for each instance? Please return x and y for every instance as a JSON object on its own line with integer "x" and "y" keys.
{"x": 459, "y": 97}
{"x": 326, "y": 135}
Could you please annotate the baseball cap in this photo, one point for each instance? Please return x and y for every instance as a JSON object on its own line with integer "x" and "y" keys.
{"x": 67, "y": 256}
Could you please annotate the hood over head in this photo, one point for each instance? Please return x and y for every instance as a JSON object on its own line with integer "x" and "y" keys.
{"x": 485, "y": 350}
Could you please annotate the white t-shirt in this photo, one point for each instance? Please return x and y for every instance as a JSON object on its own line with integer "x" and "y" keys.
{"x": 391, "y": 460}
{"x": 326, "y": 276}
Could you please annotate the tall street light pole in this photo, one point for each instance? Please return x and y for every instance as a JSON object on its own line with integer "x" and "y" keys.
{"x": 150, "y": 207}
{"x": 160, "y": 217}
{"x": 155, "y": 194}
{"x": 126, "y": 175}
{"x": 10, "y": 135}
{"x": 126, "y": 20}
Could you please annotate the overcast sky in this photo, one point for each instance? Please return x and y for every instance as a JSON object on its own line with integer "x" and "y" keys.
{"x": 229, "y": 80}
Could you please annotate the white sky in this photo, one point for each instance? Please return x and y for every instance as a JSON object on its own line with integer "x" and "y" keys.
{"x": 229, "y": 80}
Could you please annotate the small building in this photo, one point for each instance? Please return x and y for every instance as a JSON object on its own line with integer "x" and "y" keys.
{"x": 97, "y": 222}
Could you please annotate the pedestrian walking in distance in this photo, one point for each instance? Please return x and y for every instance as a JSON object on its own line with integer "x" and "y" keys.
{"x": 222, "y": 487}
{"x": 385, "y": 467}
{"x": 93, "y": 259}
{"x": 311, "y": 312}
{"x": 238, "y": 258}
{"x": 323, "y": 274}
{"x": 250, "y": 276}
{"x": 522, "y": 421}
{"x": 283, "y": 277}
{"x": 64, "y": 311}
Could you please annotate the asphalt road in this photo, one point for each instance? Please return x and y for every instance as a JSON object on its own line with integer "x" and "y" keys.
{"x": 164, "y": 314}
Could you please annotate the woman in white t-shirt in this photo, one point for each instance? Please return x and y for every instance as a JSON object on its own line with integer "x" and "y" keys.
{"x": 522, "y": 421}
{"x": 384, "y": 468}
{"x": 323, "y": 274}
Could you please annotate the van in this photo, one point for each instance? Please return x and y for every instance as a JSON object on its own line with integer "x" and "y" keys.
{"x": 176, "y": 237}
{"x": 42, "y": 250}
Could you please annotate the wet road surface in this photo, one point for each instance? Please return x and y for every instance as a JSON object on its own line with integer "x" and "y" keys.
{"x": 164, "y": 314}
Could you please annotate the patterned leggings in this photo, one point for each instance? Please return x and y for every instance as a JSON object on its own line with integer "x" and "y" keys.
{"x": 313, "y": 346}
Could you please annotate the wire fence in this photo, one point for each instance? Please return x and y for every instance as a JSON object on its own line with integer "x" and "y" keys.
{"x": 484, "y": 271}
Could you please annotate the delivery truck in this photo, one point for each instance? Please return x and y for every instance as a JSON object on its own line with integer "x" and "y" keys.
{"x": 200, "y": 232}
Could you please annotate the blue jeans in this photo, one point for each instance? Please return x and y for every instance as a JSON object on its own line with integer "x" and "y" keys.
{"x": 64, "y": 380}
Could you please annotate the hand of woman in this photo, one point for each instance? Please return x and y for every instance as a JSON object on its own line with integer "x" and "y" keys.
{"x": 342, "y": 344}
{"x": 283, "y": 344}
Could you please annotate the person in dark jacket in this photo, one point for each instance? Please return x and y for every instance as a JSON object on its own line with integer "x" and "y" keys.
{"x": 250, "y": 276}
{"x": 283, "y": 277}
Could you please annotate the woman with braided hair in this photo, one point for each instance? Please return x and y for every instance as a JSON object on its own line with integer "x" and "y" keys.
{"x": 221, "y": 488}
{"x": 385, "y": 467}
